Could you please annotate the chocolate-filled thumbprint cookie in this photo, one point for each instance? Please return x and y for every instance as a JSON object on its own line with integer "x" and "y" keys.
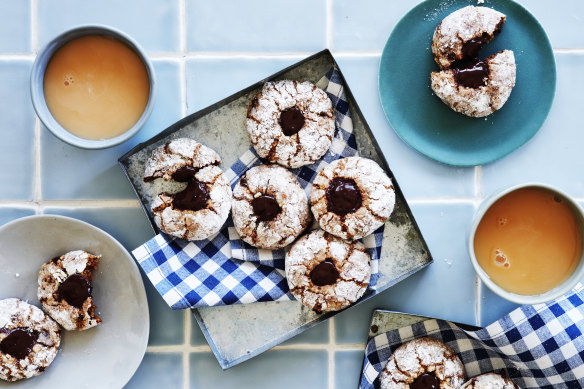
{"x": 202, "y": 207}
{"x": 270, "y": 208}
{"x": 291, "y": 123}
{"x": 423, "y": 363}
{"x": 489, "y": 381}
{"x": 65, "y": 287}
{"x": 327, "y": 273}
{"x": 29, "y": 340}
{"x": 352, "y": 197}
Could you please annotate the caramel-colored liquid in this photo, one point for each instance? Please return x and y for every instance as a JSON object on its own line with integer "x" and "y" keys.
{"x": 528, "y": 242}
{"x": 96, "y": 87}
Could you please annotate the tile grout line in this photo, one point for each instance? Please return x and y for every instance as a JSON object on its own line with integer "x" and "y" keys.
{"x": 186, "y": 349}
{"x": 331, "y": 353}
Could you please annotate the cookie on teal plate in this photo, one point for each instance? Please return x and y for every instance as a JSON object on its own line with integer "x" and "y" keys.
{"x": 424, "y": 122}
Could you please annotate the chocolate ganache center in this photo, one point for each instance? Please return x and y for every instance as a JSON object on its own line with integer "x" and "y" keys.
{"x": 426, "y": 381}
{"x": 19, "y": 342}
{"x": 325, "y": 273}
{"x": 184, "y": 173}
{"x": 474, "y": 75}
{"x": 343, "y": 196}
{"x": 194, "y": 197}
{"x": 75, "y": 290}
{"x": 265, "y": 207}
{"x": 291, "y": 120}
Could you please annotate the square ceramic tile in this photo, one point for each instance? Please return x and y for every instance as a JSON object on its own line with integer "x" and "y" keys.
{"x": 258, "y": 25}
{"x": 8, "y": 214}
{"x": 319, "y": 334}
{"x": 153, "y": 24}
{"x": 15, "y": 22}
{"x": 131, "y": 228}
{"x": 563, "y": 23}
{"x": 158, "y": 370}
{"x": 348, "y": 368}
{"x": 210, "y": 80}
{"x": 418, "y": 176}
{"x": 69, "y": 172}
{"x": 352, "y": 325}
{"x": 493, "y": 307}
{"x": 366, "y": 25}
{"x": 553, "y": 155}
{"x": 17, "y": 129}
{"x": 446, "y": 288}
{"x": 284, "y": 369}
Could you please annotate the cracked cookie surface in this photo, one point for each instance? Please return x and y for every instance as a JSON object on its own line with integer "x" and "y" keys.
{"x": 489, "y": 381}
{"x": 423, "y": 361}
{"x": 291, "y": 123}
{"x": 327, "y": 273}
{"x": 270, "y": 208}
{"x": 352, "y": 197}
{"x": 65, "y": 286}
{"x": 29, "y": 340}
{"x": 461, "y": 34}
{"x": 199, "y": 210}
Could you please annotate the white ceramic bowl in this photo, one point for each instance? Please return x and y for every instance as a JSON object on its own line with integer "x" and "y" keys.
{"x": 38, "y": 96}
{"x": 550, "y": 295}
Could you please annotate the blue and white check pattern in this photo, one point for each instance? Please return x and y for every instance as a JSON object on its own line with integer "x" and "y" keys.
{"x": 225, "y": 270}
{"x": 538, "y": 346}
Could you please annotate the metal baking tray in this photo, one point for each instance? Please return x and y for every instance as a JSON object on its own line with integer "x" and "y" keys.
{"x": 236, "y": 333}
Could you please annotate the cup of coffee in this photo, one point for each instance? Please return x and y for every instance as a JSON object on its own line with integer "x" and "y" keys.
{"x": 93, "y": 86}
{"x": 525, "y": 243}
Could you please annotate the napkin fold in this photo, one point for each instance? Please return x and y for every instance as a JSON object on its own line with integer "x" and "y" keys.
{"x": 536, "y": 346}
{"x": 224, "y": 270}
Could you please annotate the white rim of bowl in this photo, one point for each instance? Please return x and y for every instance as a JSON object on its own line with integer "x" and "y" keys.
{"x": 37, "y": 94}
{"x": 550, "y": 295}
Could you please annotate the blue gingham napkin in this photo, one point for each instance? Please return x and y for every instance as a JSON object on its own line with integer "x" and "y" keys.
{"x": 536, "y": 346}
{"x": 224, "y": 270}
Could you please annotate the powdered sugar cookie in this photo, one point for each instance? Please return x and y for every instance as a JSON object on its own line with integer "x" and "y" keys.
{"x": 423, "y": 363}
{"x": 461, "y": 34}
{"x": 200, "y": 210}
{"x": 479, "y": 89}
{"x": 65, "y": 286}
{"x": 489, "y": 381}
{"x": 291, "y": 123}
{"x": 326, "y": 273}
{"x": 352, "y": 197}
{"x": 270, "y": 208}
{"x": 29, "y": 340}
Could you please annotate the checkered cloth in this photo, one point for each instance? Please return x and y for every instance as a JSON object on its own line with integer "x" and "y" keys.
{"x": 224, "y": 270}
{"x": 536, "y": 346}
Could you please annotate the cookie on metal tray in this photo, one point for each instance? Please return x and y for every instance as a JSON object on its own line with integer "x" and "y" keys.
{"x": 65, "y": 286}
{"x": 423, "y": 363}
{"x": 327, "y": 273}
{"x": 489, "y": 381}
{"x": 270, "y": 208}
{"x": 291, "y": 123}
{"x": 352, "y": 197}
{"x": 29, "y": 340}
{"x": 200, "y": 210}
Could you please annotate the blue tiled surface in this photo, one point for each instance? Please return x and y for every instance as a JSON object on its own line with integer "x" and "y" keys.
{"x": 259, "y": 25}
{"x": 15, "y": 24}
{"x": 204, "y": 51}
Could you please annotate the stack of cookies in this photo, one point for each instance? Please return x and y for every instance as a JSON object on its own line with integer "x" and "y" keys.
{"x": 290, "y": 124}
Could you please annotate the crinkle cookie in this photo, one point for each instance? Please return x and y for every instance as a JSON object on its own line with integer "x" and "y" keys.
{"x": 461, "y": 34}
{"x": 65, "y": 286}
{"x": 352, "y": 197}
{"x": 489, "y": 381}
{"x": 29, "y": 340}
{"x": 291, "y": 123}
{"x": 480, "y": 89}
{"x": 182, "y": 154}
{"x": 423, "y": 363}
{"x": 200, "y": 210}
{"x": 270, "y": 208}
{"x": 326, "y": 273}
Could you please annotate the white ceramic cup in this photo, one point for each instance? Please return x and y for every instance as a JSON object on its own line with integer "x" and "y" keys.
{"x": 550, "y": 295}
{"x": 37, "y": 86}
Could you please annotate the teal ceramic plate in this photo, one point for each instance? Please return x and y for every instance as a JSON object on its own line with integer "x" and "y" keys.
{"x": 424, "y": 122}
